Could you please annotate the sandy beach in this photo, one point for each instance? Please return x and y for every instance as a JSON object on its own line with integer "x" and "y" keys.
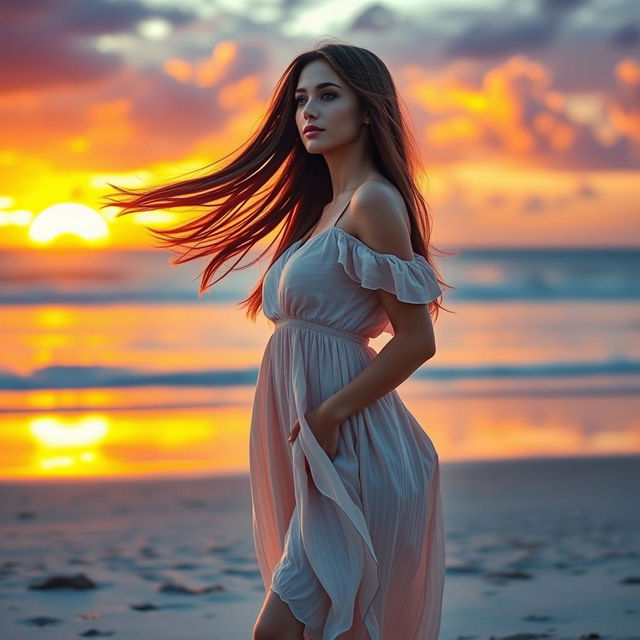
{"x": 541, "y": 548}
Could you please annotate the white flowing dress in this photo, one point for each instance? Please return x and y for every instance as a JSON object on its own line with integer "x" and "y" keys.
{"x": 356, "y": 544}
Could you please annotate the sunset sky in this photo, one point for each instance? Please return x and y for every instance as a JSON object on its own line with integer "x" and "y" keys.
{"x": 527, "y": 113}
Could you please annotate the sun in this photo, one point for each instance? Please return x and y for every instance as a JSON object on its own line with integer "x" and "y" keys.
{"x": 75, "y": 221}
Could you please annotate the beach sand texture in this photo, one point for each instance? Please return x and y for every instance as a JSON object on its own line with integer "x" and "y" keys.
{"x": 548, "y": 548}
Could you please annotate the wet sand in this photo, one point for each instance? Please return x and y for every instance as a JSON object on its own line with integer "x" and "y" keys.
{"x": 545, "y": 548}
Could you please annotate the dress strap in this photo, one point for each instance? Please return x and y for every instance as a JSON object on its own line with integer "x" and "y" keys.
{"x": 332, "y": 225}
{"x": 340, "y": 216}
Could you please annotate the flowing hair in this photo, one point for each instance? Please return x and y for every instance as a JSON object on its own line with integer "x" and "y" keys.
{"x": 289, "y": 186}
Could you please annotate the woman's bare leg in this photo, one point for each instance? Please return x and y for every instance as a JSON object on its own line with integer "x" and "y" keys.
{"x": 276, "y": 622}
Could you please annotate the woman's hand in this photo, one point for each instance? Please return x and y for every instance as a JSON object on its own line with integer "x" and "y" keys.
{"x": 324, "y": 427}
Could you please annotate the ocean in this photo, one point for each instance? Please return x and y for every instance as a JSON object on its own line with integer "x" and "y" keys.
{"x": 538, "y": 356}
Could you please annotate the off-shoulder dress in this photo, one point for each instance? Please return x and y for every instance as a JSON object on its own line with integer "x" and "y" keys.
{"x": 355, "y": 544}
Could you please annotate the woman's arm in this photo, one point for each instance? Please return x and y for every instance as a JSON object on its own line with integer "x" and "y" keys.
{"x": 395, "y": 362}
{"x": 379, "y": 216}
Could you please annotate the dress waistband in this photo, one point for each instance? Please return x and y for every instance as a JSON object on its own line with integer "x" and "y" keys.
{"x": 325, "y": 328}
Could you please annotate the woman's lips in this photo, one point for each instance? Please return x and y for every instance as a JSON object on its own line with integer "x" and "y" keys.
{"x": 313, "y": 132}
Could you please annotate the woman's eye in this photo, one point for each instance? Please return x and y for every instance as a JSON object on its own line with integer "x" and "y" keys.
{"x": 326, "y": 93}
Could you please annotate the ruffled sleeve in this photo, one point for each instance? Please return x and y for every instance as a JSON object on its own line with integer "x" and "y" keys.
{"x": 409, "y": 280}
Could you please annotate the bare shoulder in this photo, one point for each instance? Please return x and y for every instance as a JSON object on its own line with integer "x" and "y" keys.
{"x": 380, "y": 199}
{"x": 380, "y": 219}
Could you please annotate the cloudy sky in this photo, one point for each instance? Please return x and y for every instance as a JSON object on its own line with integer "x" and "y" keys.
{"x": 526, "y": 112}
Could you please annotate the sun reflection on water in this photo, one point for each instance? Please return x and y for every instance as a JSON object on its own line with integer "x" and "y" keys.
{"x": 68, "y": 444}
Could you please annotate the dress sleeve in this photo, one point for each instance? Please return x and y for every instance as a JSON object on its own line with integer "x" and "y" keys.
{"x": 409, "y": 280}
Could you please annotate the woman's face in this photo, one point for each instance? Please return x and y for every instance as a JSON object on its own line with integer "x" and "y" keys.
{"x": 333, "y": 108}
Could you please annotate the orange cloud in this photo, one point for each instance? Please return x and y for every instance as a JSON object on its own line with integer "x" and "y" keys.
{"x": 624, "y": 108}
{"x": 206, "y": 72}
{"x": 513, "y": 111}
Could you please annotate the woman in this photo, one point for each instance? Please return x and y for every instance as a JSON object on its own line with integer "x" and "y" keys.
{"x": 347, "y": 512}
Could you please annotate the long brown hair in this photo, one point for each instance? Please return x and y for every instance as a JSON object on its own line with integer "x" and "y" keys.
{"x": 290, "y": 186}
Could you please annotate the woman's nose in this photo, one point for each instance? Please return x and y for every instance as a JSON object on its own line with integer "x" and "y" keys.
{"x": 306, "y": 112}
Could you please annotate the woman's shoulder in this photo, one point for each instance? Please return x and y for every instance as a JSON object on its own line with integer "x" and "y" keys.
{"x": 377, "y": 186}
{"x": 378, "y": 202}
{"x": 375, "y": 197}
